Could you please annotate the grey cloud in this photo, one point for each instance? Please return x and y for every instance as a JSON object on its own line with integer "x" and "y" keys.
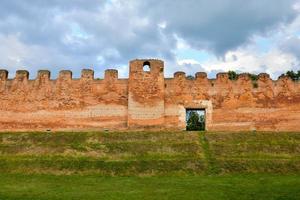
{"x": 220, "y": 25}
{"x": 104, "y": 33}
{"x": 292, "y": 45}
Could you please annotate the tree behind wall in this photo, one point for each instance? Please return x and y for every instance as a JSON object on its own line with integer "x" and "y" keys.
{"x": 195, "y": 122}
{"x": 295, "y": 76}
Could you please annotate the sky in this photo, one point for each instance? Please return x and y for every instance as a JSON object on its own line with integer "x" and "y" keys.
{"x": 192, "y": 35}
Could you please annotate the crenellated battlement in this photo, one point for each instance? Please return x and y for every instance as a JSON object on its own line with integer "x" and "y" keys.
{"x": 201, "y": 75}
{"x": 138, "y": 75}
{"x": 3, "y": 75}
{"x": 112, "y": 74}
{"x": 43, "y": 75}
{"x": 179, "y": 75}
{"x": 146, "y": 99}
{"x": 22, "y": 76}
{"x": 87, "y": 74}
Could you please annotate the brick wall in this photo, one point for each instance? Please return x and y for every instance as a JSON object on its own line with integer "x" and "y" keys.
{"x": 146, "y": 100}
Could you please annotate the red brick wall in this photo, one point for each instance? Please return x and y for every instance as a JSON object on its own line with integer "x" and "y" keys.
{"x": 146, "y": 100}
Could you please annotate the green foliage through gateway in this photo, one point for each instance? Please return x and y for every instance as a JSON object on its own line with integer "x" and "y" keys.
{"x": 195, "y": 121}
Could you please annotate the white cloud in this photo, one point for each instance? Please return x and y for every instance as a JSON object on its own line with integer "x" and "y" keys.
{"x": 188, "y": 62}
{"x": 273, "y": 62}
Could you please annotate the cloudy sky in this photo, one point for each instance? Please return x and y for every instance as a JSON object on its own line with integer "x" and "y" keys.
{"x": 192, "y": 35}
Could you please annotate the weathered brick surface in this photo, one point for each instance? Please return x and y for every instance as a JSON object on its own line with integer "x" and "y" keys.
{"x": 146, "y": 94}
{"x": 146, "y": 100}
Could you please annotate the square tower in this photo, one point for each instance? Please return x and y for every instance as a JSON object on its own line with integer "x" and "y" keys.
{"x": 146, "y": 94}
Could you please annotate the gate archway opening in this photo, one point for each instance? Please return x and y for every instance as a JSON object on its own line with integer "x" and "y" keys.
{"x": 195, "y": 119}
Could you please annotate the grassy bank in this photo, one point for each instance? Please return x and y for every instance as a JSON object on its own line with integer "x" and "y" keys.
{"x": 104, "y": 153}
{"x": 255, "y": 152}
{"x": 149, "y": 153}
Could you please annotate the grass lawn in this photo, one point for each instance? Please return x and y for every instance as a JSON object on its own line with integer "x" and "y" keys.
{"x": 41, "y": 187}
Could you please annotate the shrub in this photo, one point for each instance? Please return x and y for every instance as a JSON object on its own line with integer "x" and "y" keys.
{"x": 190, "y": 77}
{"x": 253, "y": 77}
{"x": 233, "y": 75}
{"x": 295, "y": 76}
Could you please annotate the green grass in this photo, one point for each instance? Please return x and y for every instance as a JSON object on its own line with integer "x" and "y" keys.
{"x": 150, "y": 165}
{"x": 231, "y": 187}
{"x": 149, "y": 153}
{"x": 103, "y": 153}
{"x": 256, "y": 152}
